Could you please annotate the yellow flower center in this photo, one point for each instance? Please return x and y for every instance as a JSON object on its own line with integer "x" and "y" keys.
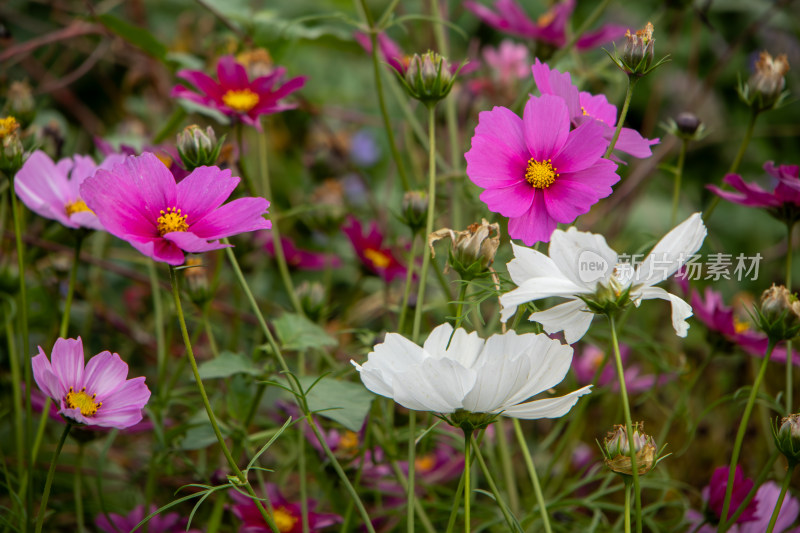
{"x": 171, "y": 220}
{"x": 349, "y": 441}
{"x": 540, "y": 174}
{"x": 546, "y": 18}
{"x": 76, "y": 207}
{"x": 241, "y": 100}
{"x": 425, "y": 463}
{"x": 164, "y": 158}
{"x": 740, "y": 326}
{"x": 284, "y": 520}
{"x": 8, "y": 126}
{"x": 81, "y": 400}
{"x": 377, "y": 258}
{"x": 597, "y": 360}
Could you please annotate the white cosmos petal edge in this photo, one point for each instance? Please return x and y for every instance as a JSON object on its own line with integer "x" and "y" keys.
{"x": 492, "y": 376}
{"x": 538, "y": 276}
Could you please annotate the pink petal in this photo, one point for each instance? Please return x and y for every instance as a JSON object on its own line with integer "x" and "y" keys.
{"x": 606, "y": 34}
{"x": 204, "y": 190}
{"x": 105, "y": 373}
{"x": 597, "y": 107}
{"x": 45, "y": 378}
{"x": 503, "y": 126}
{"x": 231, "y": 74}
{"x": 583, "y": 148}
{"x": 491, "y": 162}
{"x": 511, "y": 201}
{"x": 238, "y": 216}
{"x": 189, "y": 242}
{"x": 133, "y": 394}
{"x": 748, "y": 194}
{"x": 43, "y": 187}
{"x": 203, "y": 82}
{"x": 558, "y": 84}
{"x": 67, "y": 362}
{"x": 158, "y": 248}
{"x": 546, "y": 126}
{"x": 534, "y": 226}
{"x": 572, "y": 195}
{"x": 631, "y": 142}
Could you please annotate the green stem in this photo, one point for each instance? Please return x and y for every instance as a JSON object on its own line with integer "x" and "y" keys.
{"x": 412, "y": 467}
{"x": 505, "y": 463}
{"x": 622, "y": 115}
{"x": 49, "y": 482}
{"x": 493, "y": 487}
{"x": 280, "y": 256}
{"x": 387, "y": 123}
{"x": 627, "y": 506}
{"x": 526, "y": 454}
{"x": 16, "y": 379}
{"x": 789, "y": 365}
{"x": 412, "y": 258}
{"x": 212, "y": 341}
{"x": 784, "y": 487}
{"x": 158, "y": 316}
{"x": 462, "y": 296}
{"x": 426, "y": 257}
{"x": 737, "y": 446}
{"x": 623, "y": 392}
{"x": 77, "y": 486}
{"x": 762, "y": 476}
{"x": 467, "y": 483}
{"x": 676, "y": 192}
{"x": 212, "y": 418}
{"x": 73, "y": 275}
{"x": 248, "y": 182}
{"x": 301, "y": 454}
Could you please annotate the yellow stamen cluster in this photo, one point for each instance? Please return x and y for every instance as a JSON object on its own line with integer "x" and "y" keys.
{"x": 348, "y": 442}
{"x": 284, "y": 520}
{"x": 171, "y": 220}
{"x": 76, "y": 207}
{"x": 425, "y": 463}
{"x": 540, "y": 174}
{"x": 377, "y": 258}
{"x": 81, "y": 400}
{"x": 8, "y": 126}
{"x": 241, "y": 100}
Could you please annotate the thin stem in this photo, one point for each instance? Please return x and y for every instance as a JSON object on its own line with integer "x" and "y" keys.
{"x": 158, "y": 315}
{"x": 676, "y": 192}
{"x": 73, "y": 275}
{"x": 387, "y": 123}
{"x": 426, "y": 257}
{"x": 248, "y": 182}
{"x": 526, "y": 454}
{"x": 412, "y": 467}
{"x": 280, "y": 256}
{"x": 493, "y": 486}
{"x": 212, "y": 341}
{"x": 16, "y": 379}
{"x": 505, "y": 462}
{"x": 737, "y": 446}
{"x": 50, "y": 474}
{"x": 622, "y": 115}
{"x": 762, "y": 476}
{"x": 412, "y": 258}
{"x": 784, "y": 487}
{"x": 467, "y": 483}
{"x": 77, "y": 487}
{"x": 623, "y": 392}
{"x": 627, "y": 506}
{"x": 211, "y": 416}
{"x": 789, "y": 365}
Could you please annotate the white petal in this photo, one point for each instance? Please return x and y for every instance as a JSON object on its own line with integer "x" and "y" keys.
{"x": 375, "y": 380}
{"x": 464, "y": 347}
{"x": 582, "y": 257}
{"x": 395, "y": 354}
{"x": 672, "y": 251}
{"x": 529, "y": 263}
{"x": 550, "y": 362}
{"x": 572, "y": 317}
{"x": 536, "y": 289}
{"x": 437, "y": 385}
{"x": 680, "y": 309}
{"x": 547, "y": 408}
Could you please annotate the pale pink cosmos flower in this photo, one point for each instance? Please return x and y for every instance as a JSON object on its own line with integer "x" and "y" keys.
{"x": 508, "y": 61}
{"x": 584, "y": 106}
{"x": 535, "y": 170}
{"x": 98, "y": 394}
{"x": 52, "y": 190}
{"x": 139, "y": 201}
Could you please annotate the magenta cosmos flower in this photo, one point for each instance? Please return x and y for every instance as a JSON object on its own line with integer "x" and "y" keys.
{"x": 370, "y": 250}
{"x": 714, "y": 497}
{"x": 583, "y": 106}
{"x": 235, "y": 94}
{"x": 549, "y": 28}
{"x": 783, "y": 202}
{"x": 302, "y": 259}
{"x": 52, "y": 190}
{"x": 96, "y": 395}
{"x": 139, "y": 201}
{"x": 535, "y": 170}
{"x": 160, "y": 523}
{"x": 288, "y": 516}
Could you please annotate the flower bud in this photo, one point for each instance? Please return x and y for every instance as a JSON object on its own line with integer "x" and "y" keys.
{"x": 638, "y": 52}
{"x": 779, "y": 314}
{"x": 312, "y": 298}
{"x": 618, "y": 452}
{"x": 687, "y": 123}
{"x": 428, "y": 78}
{"x": 472, "y": 251}
{"x": 768, "y": 78}
{"x": 198, "y": 148}
{"x": 12, "y": 153}
{"x": 20, "y": 103}
{"x": 787, "y": 438}
{"x": 415, "y": 210}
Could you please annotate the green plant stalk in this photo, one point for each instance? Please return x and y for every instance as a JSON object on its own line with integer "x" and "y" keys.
{"x": 412, "y": 467}
{"x": 77, "y": 487}
{"x": 301, "y": 454}
{"x": 412, "y": 258}
{"x": 784, "y": 487}
{"x": 426, "y": 257}
{"x": 622, "y": 115}
{"x": 748, "y": 134}
{"x": 285, "y": 368}
{"x": 211, "y": 416}
{"x": 789, "y": 369}
{"x": 627, "y": 506}
{"x": 508, "y": 470}
{"x": 387, "y": 123}
{"x": 73, "y": 276}
{"x": 526, "y": 454}
{"x": 49, "y": 482}
{"x": 421, "y": 514}
{"x": 212, "y": 342}
{"x": 158, "y": 312}
{"x": 752, "y": 494}
{"x": 493, "y": 486}
{"x": 451, "y": 522}
{"x": 623, "y": 393}
{"x": 248, "y": 182}
{"x": 16, "y": 379}
{"x": 280, "y": 256}
{"x": 676, "y": 192}
{"x": 467, "y": 482}
{"x": 737, "y": 446}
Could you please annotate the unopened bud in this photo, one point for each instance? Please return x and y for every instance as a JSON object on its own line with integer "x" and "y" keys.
{"x": 768, "y": 78}
{"x": 20, "y": 102}
{"x": 687, "y": 123}
{"x": 198, "y": 148}
{"x": 618, "y": 450}
{"x": 428, "y": 78}
{"x": 415, "y": 209}
{"x": 639, "y": 48}
{"x": 472, "y": 251}
{"x": 12, "y": 153}
{"x": 787, "y": 438}
{"x": 779, "y": 314}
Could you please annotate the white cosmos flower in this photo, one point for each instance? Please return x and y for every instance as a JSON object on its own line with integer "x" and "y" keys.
{"x": 582, "y": 263}
{"x": 492, "y": 376}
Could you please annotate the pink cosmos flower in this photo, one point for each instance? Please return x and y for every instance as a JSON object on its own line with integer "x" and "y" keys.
{"x": 549, "y": 28}
{"x": 139, "y": 201}
{"x": 160, "y": 523}
{"x": 235, "y": 94}
{"x": 96, "y": 395}
{"x": 391, "y": 52}
{"x": 287, "y": 515}
{"x": 509, "y": 61}
{"x": 302, "y": 259}
{"x": 782, "y": 201}
{"x": 714, "y": 494}
{"x": 371, "y": 251}
{"x": 588, "y": 360}
{"x": 535, "y": 170}
{"x": 51, "y": 190}
{"x": 584, "y": 106}
{"x": 712, "y": 311}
